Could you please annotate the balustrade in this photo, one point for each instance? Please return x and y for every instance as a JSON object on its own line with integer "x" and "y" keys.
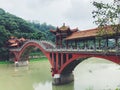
{"x": 50, "y": 47}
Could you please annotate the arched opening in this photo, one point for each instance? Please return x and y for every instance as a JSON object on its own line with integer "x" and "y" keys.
{"x": 68, "y": 72}
{"x": 36, "y": 54}
{"x": 69, "y": 68}
{"x": 32, "y": 53}
{"x": 23, "y": 53}
{"x": 73, "y": 64}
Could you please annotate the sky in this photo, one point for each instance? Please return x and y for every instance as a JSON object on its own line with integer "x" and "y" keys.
{"x": 74, "y": 13}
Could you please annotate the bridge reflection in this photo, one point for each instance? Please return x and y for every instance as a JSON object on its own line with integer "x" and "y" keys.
{"x": 69, "y": 86}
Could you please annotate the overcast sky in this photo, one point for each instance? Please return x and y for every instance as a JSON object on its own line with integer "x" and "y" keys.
{"x": 75, "y": 13}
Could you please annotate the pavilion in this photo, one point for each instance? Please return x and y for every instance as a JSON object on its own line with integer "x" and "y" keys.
{"x": 92, "y": 38}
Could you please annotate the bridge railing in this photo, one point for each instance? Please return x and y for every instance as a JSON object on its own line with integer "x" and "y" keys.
{"x": 98, "y": 50}
{"x": 50, "y": 47}
{"x": 49, "y": 42}
{"x": 40, "y": 42}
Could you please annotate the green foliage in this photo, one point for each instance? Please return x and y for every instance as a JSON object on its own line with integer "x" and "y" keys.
{"x": 11, "y": 25}
{"x": 45, "y": 29}
{"x": 117, "y": 89}
{"x": 4, "y": 34}
{"x": 106, "y": 15}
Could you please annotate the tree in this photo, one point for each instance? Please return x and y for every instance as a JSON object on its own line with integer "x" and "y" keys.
{"x": 4, "y": 37}
{"x": 45, "y": 29}
{"x": 2, "y": 11}
{"x": 106, "y": 15}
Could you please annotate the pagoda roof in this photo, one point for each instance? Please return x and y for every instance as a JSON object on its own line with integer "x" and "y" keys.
{"x": 14, "y": 44}
{"x": 11, "y": 41}
{"x": 64, "y": 28}
{"x": 72, "y": 30}
{"x": 88, "y": 33}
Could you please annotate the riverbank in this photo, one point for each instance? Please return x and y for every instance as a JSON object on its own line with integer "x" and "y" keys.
{"x": 31, "y": 60}
{"x": 38, "y": 59}
{"x": 5, "y": 62}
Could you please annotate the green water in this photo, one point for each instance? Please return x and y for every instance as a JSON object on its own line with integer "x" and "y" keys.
{"x": 91, "y": 74}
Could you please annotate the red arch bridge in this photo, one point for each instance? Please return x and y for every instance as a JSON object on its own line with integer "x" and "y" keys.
{"x": 62, "y": 60}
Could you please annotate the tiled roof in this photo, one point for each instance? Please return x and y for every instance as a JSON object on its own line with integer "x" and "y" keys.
{"x": 64, "y": 29}
{"x": 15, "y": 44}
{"x": 11, "y": 41}
{"x": 71, "y": 30}
{"x": 53, "y": 31}
{"x": 87, "y": 33}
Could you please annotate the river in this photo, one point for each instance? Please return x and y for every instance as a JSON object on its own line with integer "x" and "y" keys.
{"x": 91, "y": 74}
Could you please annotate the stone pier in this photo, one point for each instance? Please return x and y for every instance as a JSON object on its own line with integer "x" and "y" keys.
{"x": 21, "y": 63}
{"x": 59, "y": 79}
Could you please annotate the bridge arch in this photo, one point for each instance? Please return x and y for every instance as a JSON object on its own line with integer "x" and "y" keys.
{"x": 26, "y": 45}
{"x": 31, "y": 44}
{"x": 70, "y": 65}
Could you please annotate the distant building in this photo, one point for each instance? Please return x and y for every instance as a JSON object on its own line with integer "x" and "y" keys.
{"x": 15, "y": 42}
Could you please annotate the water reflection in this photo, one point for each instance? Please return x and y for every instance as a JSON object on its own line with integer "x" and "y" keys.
{"x": 23, "y": 68}
{"x": 49, "y": 86}
{"x": 64, "y": 87}
{"x": 41, "y": 86}
{"x": 92, "y": 74}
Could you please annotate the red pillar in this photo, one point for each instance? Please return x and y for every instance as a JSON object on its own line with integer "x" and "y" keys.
{"x": 53, "y": 65}
{"x": 16, "y": 58}
{"x": 61, "y": 59}
{"x": 56, "y": 61}
{"x": 52, "y": 60}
